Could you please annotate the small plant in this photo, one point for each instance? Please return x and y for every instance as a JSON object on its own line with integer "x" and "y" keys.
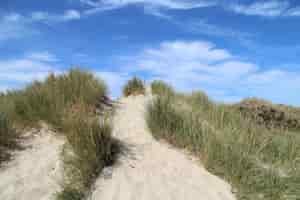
{"x": 134, "y": 86}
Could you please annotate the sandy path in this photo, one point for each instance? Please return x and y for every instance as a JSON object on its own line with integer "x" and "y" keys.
{"x": 35, "y": 172}
{"x": 152, "y": 170}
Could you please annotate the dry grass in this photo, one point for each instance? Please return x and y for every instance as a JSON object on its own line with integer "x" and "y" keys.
{"x": 259, "y": 163}
{"x": 134, "y": 86}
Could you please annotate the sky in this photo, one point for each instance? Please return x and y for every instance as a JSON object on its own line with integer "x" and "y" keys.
{"x": 231, "y": 49}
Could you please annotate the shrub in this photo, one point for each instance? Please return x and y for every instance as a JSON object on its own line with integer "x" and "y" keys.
{"x": 134, "y": 86}
{"x": 258, "y": 162}
{"x": 161, "y": 88}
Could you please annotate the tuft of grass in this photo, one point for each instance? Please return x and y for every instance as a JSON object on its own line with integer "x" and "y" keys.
{"x": 258, "y": 162}
{"x": 159, "y": 87}
{"x": 134, "y": 86}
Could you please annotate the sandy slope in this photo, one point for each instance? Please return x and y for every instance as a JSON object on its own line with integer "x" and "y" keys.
{"x": 35, "y": 172}
{"x": 152, "y": 170}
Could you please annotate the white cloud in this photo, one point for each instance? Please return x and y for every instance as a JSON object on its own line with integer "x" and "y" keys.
{"x": 71, "y": 15}
{"x": 262, "y": 8}
{"x": 269, "y": 8}
{"x": 41, "y": 16}
{"x": 104, "y": 5}
{"x": 14, "y": 27}
{"x": 293, "y": 12}
{"x": 192, "y": 65}
{"x": 19, "y": 71}
{"x": 43, "y": 56}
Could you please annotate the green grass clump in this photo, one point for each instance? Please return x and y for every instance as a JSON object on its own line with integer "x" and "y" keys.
{"x": 258, "y": 162}
{"x": 67, "y": 102}
{"x": 134, "y": 86}
{"x": 161, "y": 88}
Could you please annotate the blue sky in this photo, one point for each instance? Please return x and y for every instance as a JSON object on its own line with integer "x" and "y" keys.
{"x": 230, "y": 49}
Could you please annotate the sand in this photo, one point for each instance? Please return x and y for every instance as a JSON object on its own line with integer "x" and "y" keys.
{"x": 152, "y": 170}
{"x": 35, "y": 172}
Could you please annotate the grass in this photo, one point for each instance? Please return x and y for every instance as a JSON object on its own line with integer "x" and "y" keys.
{"x": 8, "y": 137}
{"x": 260, "y": 163}
{"x": 89, "y": 149}
{"x": 68, "y": 103}
{"x": 159, "y": 87}
{"x": 135, "y": 86}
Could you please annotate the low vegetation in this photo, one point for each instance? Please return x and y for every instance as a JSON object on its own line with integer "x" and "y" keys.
{"x": 68, "y": 103}
{"x": 259, "y": 162}
{"x": 134, "y": 86}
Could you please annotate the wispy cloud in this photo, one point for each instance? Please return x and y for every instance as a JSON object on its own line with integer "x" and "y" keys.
{"x": 43, "y": 56}
{"x": 104, "y": 5}
{"x": 269, "y": 8}
{"x": 13, "y": 27}
{"x": 16, "y": 25}
{"x": 41, "y": 16}
{"x": 262, "y": 8}
{"x": 293, "y": 12}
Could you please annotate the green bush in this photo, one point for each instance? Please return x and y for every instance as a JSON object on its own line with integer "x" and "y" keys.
{"x": 134, "y": 86}
{"x": 258, "y": 162}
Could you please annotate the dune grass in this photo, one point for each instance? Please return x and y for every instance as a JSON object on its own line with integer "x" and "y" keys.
{"x": 68, "y": 103}
{"x": 260, "y": 163}
{"x": 135, "y": 86}
{"x": 158, "y": 87}
{"x": 8, "y": 137}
